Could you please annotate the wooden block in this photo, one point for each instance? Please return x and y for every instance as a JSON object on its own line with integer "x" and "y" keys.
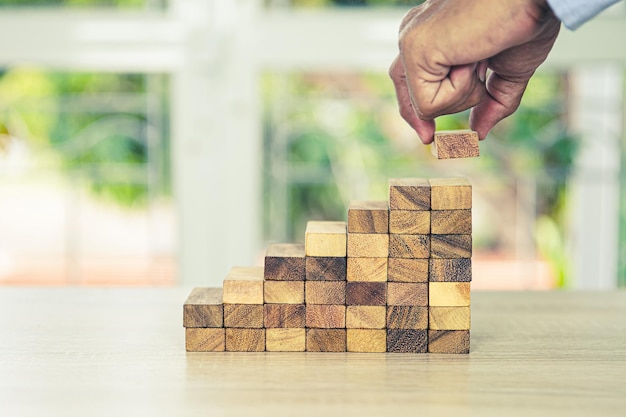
{"x": 409, "y": 222}
{"x": 450, "y": 144}
{"x": 368, "y": 217}
{"x": 366, "y": 293}
{"x": 244, "y": 285}
{"x": 285, "y": 340}
{"x": 249, "y": 316}
{"x": 449, "y": 294}
{"x": 325, "y": 292}
{"x": 407, "y": 270}
{"x": 407, "y": 294}
{"x": 407, "y": 317}
{"x": 204, "y": 339}
{"x": 284, "y": 315}
{"x": 325, "y": 269}
{"x": 451, "y": 222}
{"x": 245, "y": 340}
{"x": 450, "y": 270}
{"x": 407, "y": 341}
{"x": 325, "y": 238}
{"x": 450, "y": 193}
{"x": 326, "y": 340}
{"x": 450, "y": 246}
{"x": 366, "y": 317}
{"x": 283, "y": 292}
{"x": 366, "y": 340}
{"x": 204, "y": 308}
{"x": 409, "y": 194}
{"x": 449, "y": 318}
{"x": 368, "y": 245}
{"x": 285, "y": 262}
{"x": 367, "y": 269}
{"x": 448, "y": 341}
{"x": 325, "y": 316}
{"x": 409, "y": 246}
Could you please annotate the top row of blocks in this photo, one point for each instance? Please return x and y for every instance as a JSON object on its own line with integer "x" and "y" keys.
{"x": 430, "y": 194}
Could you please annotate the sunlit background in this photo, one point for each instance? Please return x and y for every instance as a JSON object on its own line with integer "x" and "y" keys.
{"x": 153, "y": 142}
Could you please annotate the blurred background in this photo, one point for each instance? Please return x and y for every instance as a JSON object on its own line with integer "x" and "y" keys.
{"x": 154, "y": 142}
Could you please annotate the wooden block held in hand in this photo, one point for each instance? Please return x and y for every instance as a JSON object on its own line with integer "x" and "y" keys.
{"x": 450, "y": 246}
{"x": 451, "y": 222}
{"x": 325, "y": 268}
{"x": 366, "y": 317}
{"x": 450, "y": 270}
{"x": 368, "y": 245}
{"x": 449, "y": 318}
{"x": 285, "y": 262}
{"x": 367, "y": 269}
{"x": 245, "y": 340}
{"x": 249, "y": 316}
{"x": 449, "y": 294}
{"x": 285, "y": 340}
{"x": 368, "y": 217}
{"x": 325, "y": 292}
{"x": 407, "y": 270}
{"x": 366, "y": 293}
{"x": 326, "y": 340}
{"x": 409, "y": 246}
{"x": 284, "y": 315}
{"x": 199, "y": 339}
{"x": 409, "y": 194}
{"x": 407, "y": 294}
{"x": 448, "y": 341}
{"x": 283, "y": 292}
{"x": 325, "y": 316}
{"x": 324, "y": 238}
{"x": 409, "y": 222}
{"x": 407, "y": 317}
{"x": 407, "y": 341}
{"x": 204, "y": 308}
{"x": 450, "y": 193}
{"x": 244, "y": 285}
{"x": 366, "y": 340}
{"x": 450, "y": 144}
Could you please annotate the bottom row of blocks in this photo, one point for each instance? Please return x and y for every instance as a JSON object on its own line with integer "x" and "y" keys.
{"x": 327, "y": 340}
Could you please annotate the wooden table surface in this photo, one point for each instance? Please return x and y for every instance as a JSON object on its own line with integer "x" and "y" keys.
{"x": 117, "y": 352}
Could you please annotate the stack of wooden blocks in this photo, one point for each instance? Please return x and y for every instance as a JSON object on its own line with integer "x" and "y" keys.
{"x": 394, "y": 278}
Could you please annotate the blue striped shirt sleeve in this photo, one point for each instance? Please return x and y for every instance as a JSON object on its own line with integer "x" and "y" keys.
{"x": 574, "y": 13}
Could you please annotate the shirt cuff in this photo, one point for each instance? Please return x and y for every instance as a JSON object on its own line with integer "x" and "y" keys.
{"x": 573, "y": 13}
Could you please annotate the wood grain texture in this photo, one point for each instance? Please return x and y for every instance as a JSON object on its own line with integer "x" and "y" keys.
{"x": 407, "y": 317}
{"x": 325, "y": 292}
{"x": 451, "y": 222}
{"x": 449, "y": 144}
{"x": 449, "y": 341}
{"x": 366, "y": 293}
{"x": 450, "y": 193}
{"x": 205, "y": 339}
{"x": 326, "y": 340}
{"x": 368, "y": 245}
{"x": 325, "y": 316}
{"x": 368, "y": 217}
{"x": 284, "y": 315}
{"x": 449, "y": 294}
{"x": 283, "y": 292}
{"x": 366, "y": 317}
{"x": 285, "y": 262}
{"x": 366, "y": 340}
{"x": 326, "y": 238}
{"x": 407, "y": 270}
{"x": 409, "y": 194}
{"x": 203, "y": 308}
{"x": 449, "y": 318}
{"x": 409, "y": 222}
{"x": 367, "y": 269}
{"x": 285, "y": 340}
{"x": 244, "y": 285}
{"x": 245, "y": 340}
{"x": 409, "y": 246}
{"x": 407, "y": 294}
{"x": 249, "y": 316}
{"x": 325, "y": 268}
{"x": 407, "y": 341}
{"x": 450, "y": 270}
{"x": 450, "y": 246}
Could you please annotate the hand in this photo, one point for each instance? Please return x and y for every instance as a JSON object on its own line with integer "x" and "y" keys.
{"x": 446, "y": 48}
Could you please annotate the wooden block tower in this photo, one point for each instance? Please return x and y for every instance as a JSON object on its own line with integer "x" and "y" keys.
{"x": 394, "y": 278}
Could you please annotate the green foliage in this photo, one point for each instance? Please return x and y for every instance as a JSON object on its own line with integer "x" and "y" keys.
{"x": 72, "y": 3}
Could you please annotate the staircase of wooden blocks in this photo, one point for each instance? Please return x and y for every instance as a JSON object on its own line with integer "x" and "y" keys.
{"x": 394, "y": 278}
